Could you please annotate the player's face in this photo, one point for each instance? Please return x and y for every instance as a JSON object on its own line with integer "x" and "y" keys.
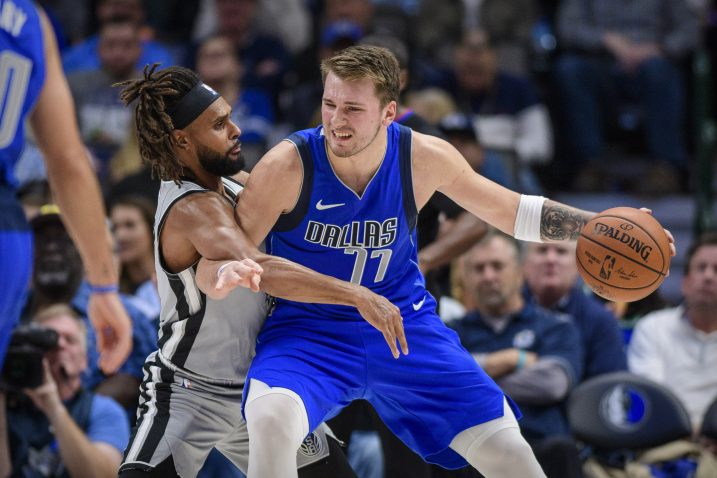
{"x": 550, "y": 267}
{"x": 699, "y": 286}
{"x": 352, "y": 115}
{"x": 133, "y": 235}
{"x": 216, "y": 140}
{"x": 493, "y": 276}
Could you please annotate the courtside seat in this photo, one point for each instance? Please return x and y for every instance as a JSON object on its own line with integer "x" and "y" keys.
{"x": 709, "y": 423}
{"x": 623, "y": 411}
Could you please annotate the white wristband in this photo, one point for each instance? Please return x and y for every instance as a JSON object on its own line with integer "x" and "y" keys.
{"x": 527, "y": 219}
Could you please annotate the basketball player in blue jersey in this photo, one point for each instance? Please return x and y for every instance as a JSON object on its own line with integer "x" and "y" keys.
{"x": 342, "y": 199}
{"x": 33, "y": 85}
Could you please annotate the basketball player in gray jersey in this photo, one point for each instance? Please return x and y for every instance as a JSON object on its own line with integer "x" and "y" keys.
{"x": 192, "y": 390}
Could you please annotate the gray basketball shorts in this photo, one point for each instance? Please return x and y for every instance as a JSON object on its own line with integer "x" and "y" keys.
{"x": 183, "y": 416}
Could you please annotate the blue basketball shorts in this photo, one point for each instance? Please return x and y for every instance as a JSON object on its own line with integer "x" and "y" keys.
{"x": 426, "y": 398}
{"x": 15, "y": 265}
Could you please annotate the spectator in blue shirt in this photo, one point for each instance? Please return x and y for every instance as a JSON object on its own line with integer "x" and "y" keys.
{"x": 220, "y": 66}
{"x": 85, "y": 56}
{"x": 57, "y": 277}
{"x": 532, "y": 354}
{"x": 552, "y": 281}
{"x": 65, "y": 431}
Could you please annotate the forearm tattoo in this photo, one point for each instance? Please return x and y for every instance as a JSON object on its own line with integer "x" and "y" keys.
{"x": 559, "y": 222}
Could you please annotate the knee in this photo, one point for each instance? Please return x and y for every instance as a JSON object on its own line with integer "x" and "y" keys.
{"x": 275, "y": 417}
{"x": 260, "y": 414}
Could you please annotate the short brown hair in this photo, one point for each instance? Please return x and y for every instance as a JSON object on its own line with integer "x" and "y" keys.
{"x": 367, "y": 62}
{"x": 708, "y": 238}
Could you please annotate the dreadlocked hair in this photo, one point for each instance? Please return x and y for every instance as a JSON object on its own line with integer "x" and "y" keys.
{"x": 157, "y": 93}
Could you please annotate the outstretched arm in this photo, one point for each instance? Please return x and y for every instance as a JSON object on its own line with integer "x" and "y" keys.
{"x": 438, "y": 166}
{"x": 205, "y": 225}
{"x": 77, "y": 192}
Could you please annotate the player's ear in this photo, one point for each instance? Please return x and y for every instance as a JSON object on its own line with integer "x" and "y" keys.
{"x": 390, "y": 114}
{"x": 180, "y": 138}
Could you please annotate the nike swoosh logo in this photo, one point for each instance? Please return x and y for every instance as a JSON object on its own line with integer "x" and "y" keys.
{"x": 417, "y": 306}
{"x": 321, "y": 206}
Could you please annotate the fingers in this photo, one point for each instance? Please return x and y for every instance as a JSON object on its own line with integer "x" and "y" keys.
{"x": 394, "y": 332}
{"x": 671, "y": 238}
{"x": 391, "y": 341}
{"x": 396, "y": 321}
{"x": 255, "y": 280}
{"x": 400, "y": 333}
{"x": 113, "y": 331}
{"x": 244, "y": 273}
{"x": 647, "y": 210}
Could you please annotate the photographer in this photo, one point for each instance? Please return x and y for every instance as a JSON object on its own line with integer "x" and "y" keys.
{"x": 57, "y": 278}
{"x": 62, "y": 430}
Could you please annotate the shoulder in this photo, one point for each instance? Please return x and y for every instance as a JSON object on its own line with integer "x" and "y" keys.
{"x": 658, "y": 321}
{"x": 426, "y": 147}
{"x": 280, "y": 161}
{"x": 193, "y": 205}
{"x": 106, "y": 409}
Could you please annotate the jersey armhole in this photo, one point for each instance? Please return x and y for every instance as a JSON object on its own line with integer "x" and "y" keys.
{"x": 406, "y": 166}
{"x": 291, "y": 220}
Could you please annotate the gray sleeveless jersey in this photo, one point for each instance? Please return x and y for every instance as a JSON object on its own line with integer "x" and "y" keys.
{"x": 213, "y": 339}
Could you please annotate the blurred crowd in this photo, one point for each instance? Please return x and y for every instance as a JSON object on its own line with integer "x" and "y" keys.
{"x": 561, "y": 95}
{"x": 541, "y": 96}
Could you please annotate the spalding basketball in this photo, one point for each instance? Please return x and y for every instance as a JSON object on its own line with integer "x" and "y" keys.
{"x": 623, "y": 254}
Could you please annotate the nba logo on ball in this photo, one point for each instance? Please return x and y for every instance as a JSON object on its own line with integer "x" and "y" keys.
{"x": 623, "y": 254}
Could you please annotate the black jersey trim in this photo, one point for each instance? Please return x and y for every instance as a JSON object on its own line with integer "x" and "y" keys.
{"x": 193, "y": 321}
{"x": 162, "y": 400}
{"x": 406, "y": 166}
{"x": 291, "y": 220}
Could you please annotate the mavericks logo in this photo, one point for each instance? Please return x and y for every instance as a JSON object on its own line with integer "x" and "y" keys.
{"x": 622, "y": 236}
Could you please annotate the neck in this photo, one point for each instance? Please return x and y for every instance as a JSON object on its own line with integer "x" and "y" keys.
{"x": 549, "y": 298}
{"x": 196, "y": 173}
{"x": 357, "y": 170}
{"x": 510, "y": 307}
{"x": 139, "y": 271}
{"x": 702, "y": 318}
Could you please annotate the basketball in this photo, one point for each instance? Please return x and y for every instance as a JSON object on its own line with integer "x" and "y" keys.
{"x": 623, "y": 254}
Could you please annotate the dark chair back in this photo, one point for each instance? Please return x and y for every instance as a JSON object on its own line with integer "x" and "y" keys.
{"x": 709, "y": 423}
{"x": 621, "y": 410}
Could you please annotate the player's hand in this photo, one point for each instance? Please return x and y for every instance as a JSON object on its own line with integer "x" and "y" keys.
{"x": 113, "y": 330}
{"x": 670, "y": 237}
{"x": 386, "y": 317}
{"x": 233, "y": 274}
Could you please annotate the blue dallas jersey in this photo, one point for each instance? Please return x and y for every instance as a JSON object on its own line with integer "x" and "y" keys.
{"x": 368, "y": 239}
{"x": 328, "y": 355}
{"x": 22, "y": 73}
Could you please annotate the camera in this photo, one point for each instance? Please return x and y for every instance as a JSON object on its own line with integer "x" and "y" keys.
{"x": 23, "y": 362}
